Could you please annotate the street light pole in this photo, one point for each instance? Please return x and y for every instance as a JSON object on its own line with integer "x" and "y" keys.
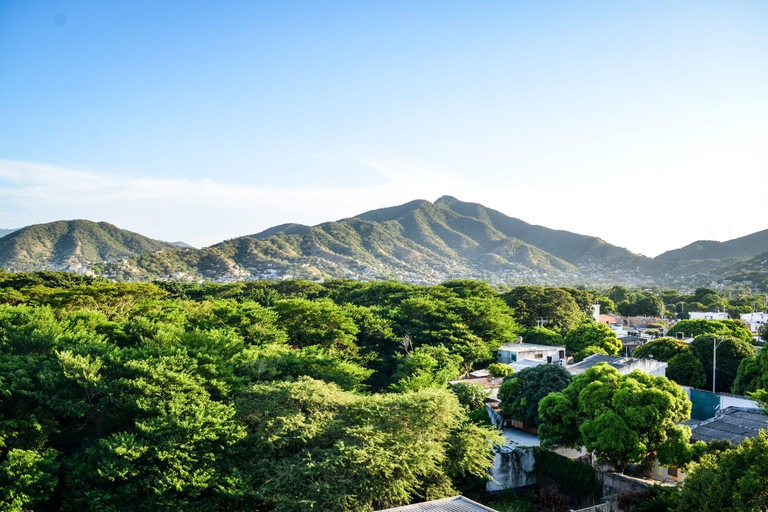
{"x": 715, "y": 344}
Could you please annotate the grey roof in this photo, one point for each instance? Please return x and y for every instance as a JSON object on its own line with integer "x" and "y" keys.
{"x": 733, "y": 424}
{"x": 627, "y": 339}
{"x": 455, "y": 504}
{"x": 589, "y": 362}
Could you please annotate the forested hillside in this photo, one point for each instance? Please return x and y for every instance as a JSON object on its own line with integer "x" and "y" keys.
{"x": 416, "y": 242}
{"x": 71, "y": 243}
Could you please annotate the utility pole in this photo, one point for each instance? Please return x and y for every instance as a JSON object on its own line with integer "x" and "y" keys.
{"x": 715, "y": 344}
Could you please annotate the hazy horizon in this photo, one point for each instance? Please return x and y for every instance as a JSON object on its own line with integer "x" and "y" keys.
{"x": 642, "y": 124}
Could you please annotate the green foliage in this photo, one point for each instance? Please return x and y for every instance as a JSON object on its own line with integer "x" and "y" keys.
{"x": 500, "y": 370}
{"x": 27, "y": 479}
{"x": 555, "y": 307}
{"x": 319, "y": 447}
{"x": 655, "y": 498}
{"x": 136, "y": 396}
{"x": 580, "y": 482}
{"x": 318, "y": 323}
{"x": 661, "y": 349}
{"x": 730, "y": 352}
{"x": 606, "y": 305}
{"x": 520, "y": 394}
{"x": 543, "y": 336}
{"x": 731, "y": 480}
{"x": 426, "y": 367}
{"x": 687, "y": 370}
{"x": 588, "y": 351}
{"x": 752, "y": 374}
{"x": 592, "y": 334}
{"x": 694, "y": 328}
{"x": 622, "y": 418}
{"x": 471, "y": 396}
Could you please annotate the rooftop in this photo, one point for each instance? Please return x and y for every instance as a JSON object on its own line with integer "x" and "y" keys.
{"x": 519, "y": 438}
{"x": 487, "y": 382}
{"x": 518, "y": 347}
{"x": 618, "y": 362}
{"x": 733, "y": 424}
{"x": 522, "y": 364}
{"x": 455, "y": 504}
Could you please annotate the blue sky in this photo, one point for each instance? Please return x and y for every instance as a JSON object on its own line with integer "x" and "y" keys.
{"x": 644, "y": 123}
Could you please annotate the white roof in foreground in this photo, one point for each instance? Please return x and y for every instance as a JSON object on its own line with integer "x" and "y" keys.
{"x": 455, "y": 504}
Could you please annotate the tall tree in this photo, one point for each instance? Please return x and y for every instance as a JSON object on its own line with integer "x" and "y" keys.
{"x": 622, "y": 418}
{"x": 553, "y": 308}
{"x": 730, "y": 352}
{"x": 731, "y": 480}
{"x": 521, "y": 393}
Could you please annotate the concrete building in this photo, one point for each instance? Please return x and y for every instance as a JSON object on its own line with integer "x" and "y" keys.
{"x": 514, "y": 352}
{"x": 755, "y": 321}
{"x": 707, "y": 315}
{"x": 625, "y": 365}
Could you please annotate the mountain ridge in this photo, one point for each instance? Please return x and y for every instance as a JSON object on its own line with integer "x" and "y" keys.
{"x": 418, "y": 241}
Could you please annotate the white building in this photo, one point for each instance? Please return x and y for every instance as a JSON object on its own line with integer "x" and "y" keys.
{"x": 707, "y": 315}
{"x": 625, "y": 365}
{"x": 514, "y": 352}
{"x": 755, "y": 321}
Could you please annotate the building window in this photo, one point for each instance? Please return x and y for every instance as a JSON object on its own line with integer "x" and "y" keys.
{"x": 538, "y": 355}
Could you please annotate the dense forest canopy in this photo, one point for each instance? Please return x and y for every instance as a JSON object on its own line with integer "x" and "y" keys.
{"x": 265, "y": 396}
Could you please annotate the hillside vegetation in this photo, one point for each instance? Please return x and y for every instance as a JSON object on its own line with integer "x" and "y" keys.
{"x": 417, "y": 242}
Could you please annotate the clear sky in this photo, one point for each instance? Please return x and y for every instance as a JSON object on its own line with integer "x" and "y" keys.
{"x": 644, "y": 123}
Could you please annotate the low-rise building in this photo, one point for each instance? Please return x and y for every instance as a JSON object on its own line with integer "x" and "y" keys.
{"x": 734, "y": 424}
{"x": 513, "y": 352}
{"x": 755, "y": 321}
{"x": 708, "y": 315}
{"x": 625, "y": 365}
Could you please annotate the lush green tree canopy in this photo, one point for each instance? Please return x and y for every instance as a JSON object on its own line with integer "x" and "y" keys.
{"x": 593, "y": 334}
{"x": 622, "y": 418}
{"x": 554, "y": 307}
{"x": 661, "y": 349}
{"x": 238, "y": 397}
{"x": 520, "y": 394}
{"x": 543, "y": 336}
{"x": 694, "y": 328}
{"x": 731, "y": 480}
{"x": 730, "y": 352}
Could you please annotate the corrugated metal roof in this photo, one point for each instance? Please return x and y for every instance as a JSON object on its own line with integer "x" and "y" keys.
{"x": 455, "y": 504}
{"x": 732, "y": 424}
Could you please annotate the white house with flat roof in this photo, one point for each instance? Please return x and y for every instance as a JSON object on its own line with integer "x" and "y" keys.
{"x": 708, "y": 315}
{"x": 514, "y": 352}
{"x": 755, "y": 321}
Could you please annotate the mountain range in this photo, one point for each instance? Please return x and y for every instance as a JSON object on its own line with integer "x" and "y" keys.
{"x": 420, "y": 241}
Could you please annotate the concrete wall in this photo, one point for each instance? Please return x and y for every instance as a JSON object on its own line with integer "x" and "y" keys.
{"x": 614, "y": 483}
{"x": 512, "y": 468}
